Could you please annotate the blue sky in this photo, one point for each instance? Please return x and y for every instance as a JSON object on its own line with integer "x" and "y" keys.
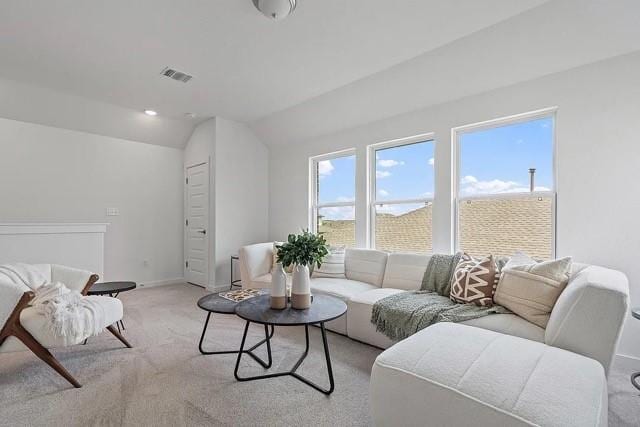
{"x": 495, "y": 160}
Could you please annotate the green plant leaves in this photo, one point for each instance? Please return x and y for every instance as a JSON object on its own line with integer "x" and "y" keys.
{"x": 303, "y": 249}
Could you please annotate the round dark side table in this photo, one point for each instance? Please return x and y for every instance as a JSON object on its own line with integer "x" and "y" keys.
{"x": 635, "y": 312}
{"x": 323, "y": 309}
{"x": 214, "y": 303}
{"x": 112, "y": 289}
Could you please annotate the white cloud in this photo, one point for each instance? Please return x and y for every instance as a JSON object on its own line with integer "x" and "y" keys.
{"x": 337, "y": 213}
{"x": 390, "y": 163}
{"x": 471, "y": 186}
{"x": 383, "y": 193}
{"x": 432, "y": 161}
{"x": 383, "y": 174}
{"x": 325, "y": 168}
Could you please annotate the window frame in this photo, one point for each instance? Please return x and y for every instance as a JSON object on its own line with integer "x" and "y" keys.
{"x": 314, "y": 205}
{"x": 372, "y": 191}
{"x": 458, "y": 131}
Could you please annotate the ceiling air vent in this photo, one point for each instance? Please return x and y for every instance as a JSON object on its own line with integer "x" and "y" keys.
{"x": 176, "y": 75}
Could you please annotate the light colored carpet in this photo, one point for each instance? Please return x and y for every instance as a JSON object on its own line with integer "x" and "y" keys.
{"x": 165, "y": 381}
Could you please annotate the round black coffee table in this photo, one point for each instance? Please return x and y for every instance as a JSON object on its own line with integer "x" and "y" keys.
{"x": 112, "y": 289}
{"x": 258, "y": 310}
{"x": 214, "y": 303}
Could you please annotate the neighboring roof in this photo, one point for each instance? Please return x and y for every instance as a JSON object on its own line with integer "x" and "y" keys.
{"x": 487, "y": 226}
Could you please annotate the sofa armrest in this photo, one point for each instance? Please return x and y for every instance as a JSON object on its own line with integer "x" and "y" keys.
{"x": 73, "y": 278}
{"x": 588, "y": 316}
{"x": 255, "y": 260}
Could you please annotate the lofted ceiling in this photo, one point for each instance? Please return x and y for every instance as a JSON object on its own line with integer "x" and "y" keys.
{"x": 245, "y": 66}
{"x": 95, "y": 66}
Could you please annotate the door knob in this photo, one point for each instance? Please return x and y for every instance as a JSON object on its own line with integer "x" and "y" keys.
{"x": 202, "y": 231}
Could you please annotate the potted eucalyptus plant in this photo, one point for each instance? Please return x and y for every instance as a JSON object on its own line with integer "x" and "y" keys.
{"x": 302, "y": 251}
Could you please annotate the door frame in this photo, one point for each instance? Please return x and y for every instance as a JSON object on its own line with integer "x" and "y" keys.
{"x": 185, "y": 213}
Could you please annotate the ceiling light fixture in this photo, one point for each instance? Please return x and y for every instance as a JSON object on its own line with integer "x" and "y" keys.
{"x": 275, "y": 9}
{"x": 150, "y": 113}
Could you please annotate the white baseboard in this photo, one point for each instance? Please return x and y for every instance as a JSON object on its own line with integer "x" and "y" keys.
{"x": 161, "y": 282}
{"x": 627, "y": 362}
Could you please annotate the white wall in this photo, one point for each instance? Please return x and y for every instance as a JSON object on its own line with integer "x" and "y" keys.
{"x": 239, "y": 192}
{"x": 49, "y": 175}
{"x": 598, "y": 159}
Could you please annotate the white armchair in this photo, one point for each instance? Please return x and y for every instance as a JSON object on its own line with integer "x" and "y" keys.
{"x": 24, "y": 328}
{"x": 256, "y": 262}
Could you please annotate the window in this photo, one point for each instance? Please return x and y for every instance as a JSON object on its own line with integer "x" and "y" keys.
{"x": 505, "y": 186}
{"x": 401, "y": 194}
{"x": 333, "y": 194}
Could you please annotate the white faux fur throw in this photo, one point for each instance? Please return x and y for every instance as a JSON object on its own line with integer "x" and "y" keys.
{"x": 69, "y": 314}
{"x": 23, "y": 274}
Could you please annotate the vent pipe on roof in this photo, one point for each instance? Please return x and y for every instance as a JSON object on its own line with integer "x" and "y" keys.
{"x": 532, "y": 179}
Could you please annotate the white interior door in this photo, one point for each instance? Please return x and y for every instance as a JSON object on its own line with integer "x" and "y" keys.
{"x": 196, "y": 225}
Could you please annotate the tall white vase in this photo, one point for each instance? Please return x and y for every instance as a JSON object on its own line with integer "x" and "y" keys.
{"x": 301, "y": 287}
{"x": 278, "y": 287}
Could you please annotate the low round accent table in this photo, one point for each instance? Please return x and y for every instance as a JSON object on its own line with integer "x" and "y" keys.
{"x": 214, "y": 303}
{"x": 323, "y": 309}
{"x": 635, "y": 312}
{"x": 112, "y": 289}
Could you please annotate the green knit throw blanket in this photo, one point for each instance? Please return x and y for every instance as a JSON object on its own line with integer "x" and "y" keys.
{"x": 401, "y": 315}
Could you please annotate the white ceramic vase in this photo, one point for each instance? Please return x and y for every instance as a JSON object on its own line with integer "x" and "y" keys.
{"x": 301, "y": 287}
{"x": 278, "y": 287}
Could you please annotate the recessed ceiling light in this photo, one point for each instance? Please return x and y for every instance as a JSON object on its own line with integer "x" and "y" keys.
{"x": 150, "y": 113}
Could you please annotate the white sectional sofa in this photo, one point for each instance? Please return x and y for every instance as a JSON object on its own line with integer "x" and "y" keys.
{"x": 496, "y": 370}
{"x": 587, "y": 318}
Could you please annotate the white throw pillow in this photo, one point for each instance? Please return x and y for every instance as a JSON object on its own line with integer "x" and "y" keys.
{"x": 333, "y": 264}
{"x": 530, "y": 289}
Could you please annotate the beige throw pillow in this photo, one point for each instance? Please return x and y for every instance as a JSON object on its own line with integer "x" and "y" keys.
{"x": 531, "y": 290}
{"x": 474, "y": 281}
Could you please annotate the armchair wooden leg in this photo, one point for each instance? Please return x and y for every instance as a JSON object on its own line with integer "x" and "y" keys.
{"x": 117, "y": 335}
{"x": 44, "y": 354}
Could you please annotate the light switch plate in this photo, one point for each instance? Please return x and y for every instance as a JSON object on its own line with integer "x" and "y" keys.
{"x": 113, "y": 212}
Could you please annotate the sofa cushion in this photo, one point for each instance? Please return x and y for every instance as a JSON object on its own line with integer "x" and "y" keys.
{"x": 405, "y": 271}
{"x": 365, "y": 265}
{"x": 509, "y": 324}
{"x": 340, "y": 288}
{"x": 359, "y": 324}
{"x": 451, "y": 374}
